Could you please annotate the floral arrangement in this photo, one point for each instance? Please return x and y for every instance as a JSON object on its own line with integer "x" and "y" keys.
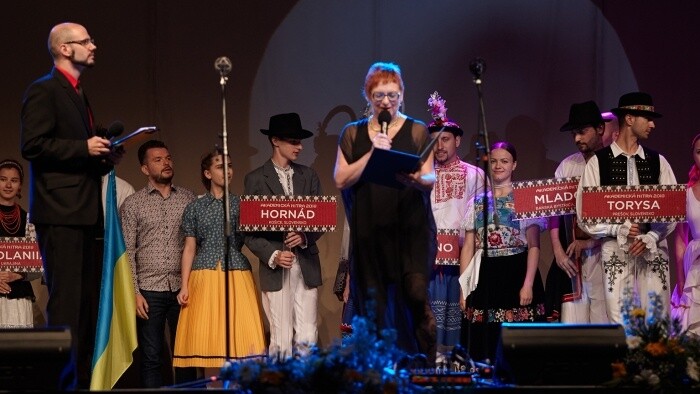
{"x": 364, "y": 362}
{"x": 660, "y": 354}
{"x": 437, "y": 108}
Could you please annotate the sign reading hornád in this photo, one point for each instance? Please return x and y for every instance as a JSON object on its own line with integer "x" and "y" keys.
{"x": 545, "y": 197}
{"x": 288, "y": 213}
{"x": 638, "y": 204}
{"x": 20, "y": 254}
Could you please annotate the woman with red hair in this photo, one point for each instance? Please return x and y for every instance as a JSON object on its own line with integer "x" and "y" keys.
{"x": 392, "y": 229}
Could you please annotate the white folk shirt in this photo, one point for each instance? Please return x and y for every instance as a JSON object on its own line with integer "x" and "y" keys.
{"x": 591, "y": 177}
{"x": 621, "y": 270}
{"x": 572, "y": 165}
{"x": 590, "y": 307}
{"x": 456, "y": 184}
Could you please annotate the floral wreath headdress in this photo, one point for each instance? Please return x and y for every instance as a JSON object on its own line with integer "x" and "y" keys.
{"x": 438, "y": 111}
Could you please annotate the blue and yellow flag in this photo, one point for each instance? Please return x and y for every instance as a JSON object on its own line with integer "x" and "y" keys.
{"x": 116, "y": 321}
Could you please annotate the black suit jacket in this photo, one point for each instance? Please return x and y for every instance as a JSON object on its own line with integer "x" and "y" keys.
{"x": 264, "y": 181}
{"x": 65, "y": 179}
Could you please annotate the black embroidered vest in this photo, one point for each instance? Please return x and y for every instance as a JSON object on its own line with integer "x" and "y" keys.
{"x": 613, "y": 170}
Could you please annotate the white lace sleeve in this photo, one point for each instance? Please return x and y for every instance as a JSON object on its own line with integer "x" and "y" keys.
{"x": 467, "y": 223}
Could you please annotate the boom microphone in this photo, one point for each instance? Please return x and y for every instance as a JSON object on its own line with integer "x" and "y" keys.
{"x": 223, "y": 65}
{"x": 384, "y": 119}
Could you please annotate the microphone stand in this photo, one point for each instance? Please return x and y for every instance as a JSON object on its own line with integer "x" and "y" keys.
{"x": 484, "y": 158}
{"x": 227, "y": 217}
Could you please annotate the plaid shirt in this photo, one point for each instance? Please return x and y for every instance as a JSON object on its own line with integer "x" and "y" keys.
{"x": 153, "y": 237}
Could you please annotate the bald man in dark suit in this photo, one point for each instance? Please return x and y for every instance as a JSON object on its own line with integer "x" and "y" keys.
{"x": 67, "y": 160}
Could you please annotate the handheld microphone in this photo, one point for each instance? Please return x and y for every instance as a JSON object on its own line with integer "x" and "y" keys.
{"x": 384, "y": 119}
{"x": 223, "y": 65}
{"x": 115, "y": 129}
{"x": 477, "y": 67}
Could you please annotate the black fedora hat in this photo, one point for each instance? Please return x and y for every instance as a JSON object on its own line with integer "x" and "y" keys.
{"x": 286, "y": 126}
{"x": 583, "y": 115}
{"x": 636, "y": 103}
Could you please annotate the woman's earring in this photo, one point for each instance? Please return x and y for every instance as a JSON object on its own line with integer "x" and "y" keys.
{"x": 368, "y": 110}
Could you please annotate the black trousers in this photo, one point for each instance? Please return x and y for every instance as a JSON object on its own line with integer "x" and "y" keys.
{"x": 70, "y": 271}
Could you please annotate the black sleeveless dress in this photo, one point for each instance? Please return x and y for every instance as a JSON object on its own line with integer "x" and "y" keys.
{"x": 392, "y": 232}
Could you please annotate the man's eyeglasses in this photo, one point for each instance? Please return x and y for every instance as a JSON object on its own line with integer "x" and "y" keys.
{"x": 379, "y": 96}
{"x": 84, "y": 42}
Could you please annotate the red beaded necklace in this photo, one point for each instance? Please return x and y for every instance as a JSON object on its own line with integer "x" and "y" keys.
{"x": 11, "y": 220}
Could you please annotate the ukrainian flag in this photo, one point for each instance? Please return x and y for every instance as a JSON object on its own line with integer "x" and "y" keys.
{"x": 116, "y": 321}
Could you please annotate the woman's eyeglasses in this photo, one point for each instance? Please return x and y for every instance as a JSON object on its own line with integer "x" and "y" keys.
{"x": 379, "y": 96}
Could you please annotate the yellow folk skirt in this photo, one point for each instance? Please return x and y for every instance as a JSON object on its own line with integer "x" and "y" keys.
{"x": 201, "y": 330}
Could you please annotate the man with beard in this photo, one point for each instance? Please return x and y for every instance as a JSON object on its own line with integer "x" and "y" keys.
{"x": 634, "y": 256}
{"x": 575, "y": 288}
{"x": 67, "y": 159}
{"x": 151, "y": 220}
{"x": 456, "y": 183}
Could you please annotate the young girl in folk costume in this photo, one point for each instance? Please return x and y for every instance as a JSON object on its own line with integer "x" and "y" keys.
{"x": 509, "y": 287}
{"x": 16, "y": 294}
{"x": 201, "y": 330}
{"x": 685, "y": 300}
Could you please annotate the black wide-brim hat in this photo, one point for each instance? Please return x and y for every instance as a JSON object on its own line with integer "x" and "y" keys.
{"x": 583, "y": 115}
{"x": 286, "y": 126}
{"x": 636, "y": 103}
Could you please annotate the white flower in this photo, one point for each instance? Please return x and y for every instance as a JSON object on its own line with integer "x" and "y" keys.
{"x": 648, "y": 376}
{"x": 653, "y": 379}
{"x": 692, "y": 369}
{"x": 633, "y": 341}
